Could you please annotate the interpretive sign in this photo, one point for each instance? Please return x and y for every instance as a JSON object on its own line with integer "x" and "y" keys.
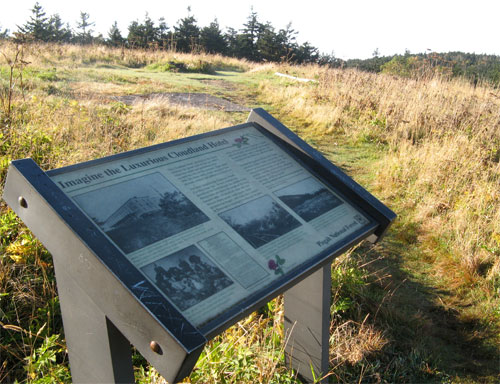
{"x": 200, "y": 231}
{"x": 212, "y": 221}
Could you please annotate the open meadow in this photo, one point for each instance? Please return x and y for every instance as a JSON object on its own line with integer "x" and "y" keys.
{"x": 421, "y": 306}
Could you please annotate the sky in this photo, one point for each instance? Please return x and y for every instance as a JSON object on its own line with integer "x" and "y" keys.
{"x": 348, "y": 28}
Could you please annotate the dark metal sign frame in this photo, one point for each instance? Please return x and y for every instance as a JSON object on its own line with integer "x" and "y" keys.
{"x": 80, "y": 251}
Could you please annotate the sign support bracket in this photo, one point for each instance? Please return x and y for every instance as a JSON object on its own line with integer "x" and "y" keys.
{"x": 307, "y": 325}
{"x": 98, "y": 351}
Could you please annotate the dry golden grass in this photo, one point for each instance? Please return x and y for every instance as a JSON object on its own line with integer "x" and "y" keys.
{"x": 72, "y": 56}
{"x": 439, "y": 168}
{"x": 444, "y": 148}
{"x": 351, "y": 342}
{"x": 91, "y": 131}
{"x": 454, "y": 193}
{"x": 77, "y": 131}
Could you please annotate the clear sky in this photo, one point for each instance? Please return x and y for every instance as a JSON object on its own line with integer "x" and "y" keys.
{"x": 348, "y": 28}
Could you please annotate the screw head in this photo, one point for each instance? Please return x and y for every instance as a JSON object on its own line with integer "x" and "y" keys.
{"x": 155, "y": 347}
{"x": 22, "y": 202}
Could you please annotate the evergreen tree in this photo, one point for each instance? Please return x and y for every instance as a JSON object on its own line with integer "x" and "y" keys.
{"x": 85, "y": 34}
{"x": 164, "y": 36}
{"x": 330, "y": 60}
{"x": 268, "y": 45}
{"x": 134, "y": 37}
{"x": 187, "y": 34}
{"x": 142, "y": 35}
{"x": 231, "y": 38}
{"x": 57, "y": 31}
{"x": 306, "y": 53}
{"x": 4, "y": 34}
{"x": 150, "y": 32}
{"x": 288, "y": 42}
{"x": 244, "y": 48}
{"x": 37, "y": 28}
{"x": 255, "y": 41}
{"x": 115, "y": 38}
{"x": 99, "y": 39}
{"x": 247, "y": 41}
{"x": 212, "y": 40}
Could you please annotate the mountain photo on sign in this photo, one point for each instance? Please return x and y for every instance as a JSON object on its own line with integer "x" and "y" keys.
{"x": 141, "y": 211}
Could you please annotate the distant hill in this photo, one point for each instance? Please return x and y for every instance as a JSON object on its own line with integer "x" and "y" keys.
{"x": 475, "y": 67}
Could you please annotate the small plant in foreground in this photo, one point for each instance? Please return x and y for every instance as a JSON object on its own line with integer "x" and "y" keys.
{"x": 43, "y": 367}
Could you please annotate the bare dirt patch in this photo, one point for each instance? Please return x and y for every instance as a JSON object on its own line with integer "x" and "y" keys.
{"x": 194, "y": 100}
{"x": 218, "y": 83}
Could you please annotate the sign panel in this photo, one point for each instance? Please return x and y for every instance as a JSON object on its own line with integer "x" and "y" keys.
{"x": 214, "y": 220}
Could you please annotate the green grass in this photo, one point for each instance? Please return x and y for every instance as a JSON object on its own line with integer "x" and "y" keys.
{"x": 401, "y": 310}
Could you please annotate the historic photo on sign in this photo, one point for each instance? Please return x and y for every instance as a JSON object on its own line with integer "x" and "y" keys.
{"x": 142, "y": 211}
{"x": 260, "y": 221}
{"x": 187, "y": 277}
{"x": 308, "y": 198}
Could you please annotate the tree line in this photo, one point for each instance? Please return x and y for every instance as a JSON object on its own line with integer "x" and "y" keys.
{"x": 255, "y": 41}
{"x": 471, "y": 66}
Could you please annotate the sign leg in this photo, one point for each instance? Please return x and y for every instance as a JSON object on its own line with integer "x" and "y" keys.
{"x": 307, "y": 325}
{"x": 98, "y": 352}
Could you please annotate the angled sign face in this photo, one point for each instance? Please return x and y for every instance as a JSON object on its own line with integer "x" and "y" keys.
{"x": 213, "y": 221}
{"x": 204, "y": 230}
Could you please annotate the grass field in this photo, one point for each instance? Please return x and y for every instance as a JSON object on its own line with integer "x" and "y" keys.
{"x": 421, "y": 306}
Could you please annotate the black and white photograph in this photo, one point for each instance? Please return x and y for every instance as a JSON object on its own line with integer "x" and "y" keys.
{"x": 140, "y": 212}
{"x": 187, "y": 277}
{"x": 260, "y": 221}
{"x": 308, "y": 198}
